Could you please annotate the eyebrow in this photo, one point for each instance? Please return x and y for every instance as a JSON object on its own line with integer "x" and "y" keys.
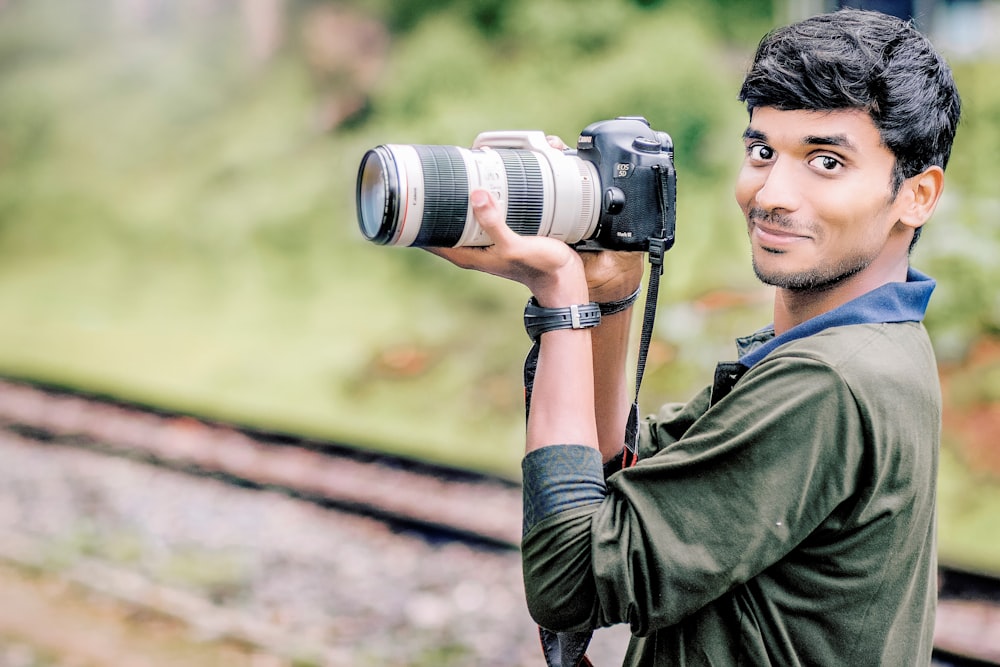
{"x": 838, "y": 140}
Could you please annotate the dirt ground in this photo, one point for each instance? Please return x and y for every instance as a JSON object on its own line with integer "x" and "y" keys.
{"x": 44, "y": 620}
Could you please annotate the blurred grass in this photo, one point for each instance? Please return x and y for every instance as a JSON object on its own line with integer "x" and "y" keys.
{"x": 175, "y": 229}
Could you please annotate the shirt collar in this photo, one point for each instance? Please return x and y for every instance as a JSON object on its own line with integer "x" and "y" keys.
{"x": 892, "y": 302}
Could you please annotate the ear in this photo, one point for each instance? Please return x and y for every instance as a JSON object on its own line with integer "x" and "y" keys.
{"x": 919, "y": 196}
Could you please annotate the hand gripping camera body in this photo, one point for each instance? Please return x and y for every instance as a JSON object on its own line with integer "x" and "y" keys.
{"x": 616, "y": 191}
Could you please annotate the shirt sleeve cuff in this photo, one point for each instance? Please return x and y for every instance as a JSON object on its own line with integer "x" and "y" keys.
{"x": 615, "y": 464}
{"x": 558, "y": 478}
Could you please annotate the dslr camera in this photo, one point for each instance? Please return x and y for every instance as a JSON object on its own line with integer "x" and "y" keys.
{"x": 615, "y": 191}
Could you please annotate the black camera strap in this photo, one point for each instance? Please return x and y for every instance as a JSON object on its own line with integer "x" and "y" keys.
{"x": 658, "y": 246}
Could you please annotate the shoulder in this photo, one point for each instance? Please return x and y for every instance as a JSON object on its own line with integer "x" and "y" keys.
{"x": 852, "y": 372}
{"x": 885, "y": 375}
{"x": 848, "y": 344}
{"x": 878, "y": 356}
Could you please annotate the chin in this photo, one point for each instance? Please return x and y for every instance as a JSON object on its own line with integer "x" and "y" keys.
{"x": 771, "y": 273}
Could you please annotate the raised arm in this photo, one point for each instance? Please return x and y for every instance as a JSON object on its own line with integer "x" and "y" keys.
{"x": 562, "y": 410}
{"x": 612, "y": 276}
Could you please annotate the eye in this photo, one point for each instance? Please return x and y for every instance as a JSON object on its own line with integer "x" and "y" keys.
{"x": 826, "y": 163}
{"x": 760, "y": 152}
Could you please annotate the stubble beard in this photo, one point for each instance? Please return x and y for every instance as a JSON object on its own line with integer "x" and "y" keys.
{"x": 816, "y": 279}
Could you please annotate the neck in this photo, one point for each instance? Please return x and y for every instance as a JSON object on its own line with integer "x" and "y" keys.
{"x": 793, "y": 307}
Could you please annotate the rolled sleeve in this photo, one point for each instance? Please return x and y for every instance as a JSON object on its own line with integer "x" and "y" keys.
{"x": 559, "y": 478}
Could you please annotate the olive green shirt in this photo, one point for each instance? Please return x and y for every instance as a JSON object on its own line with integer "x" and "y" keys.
{"x": 787, "y": 520}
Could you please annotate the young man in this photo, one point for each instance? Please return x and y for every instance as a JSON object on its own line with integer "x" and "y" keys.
{"x": 785, "y": 515}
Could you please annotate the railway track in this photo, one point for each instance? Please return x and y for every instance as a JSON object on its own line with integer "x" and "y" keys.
{"x": 968, "y": 625}
{"x": 438, "y": 502}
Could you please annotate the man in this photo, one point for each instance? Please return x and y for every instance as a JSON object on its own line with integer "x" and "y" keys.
{"x": 785, "y": 515}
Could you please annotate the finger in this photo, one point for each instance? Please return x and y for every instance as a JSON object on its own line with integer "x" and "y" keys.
{"x": 489, "y": 216}
{"x": 556, "y": 142}
{"x": 465, "y": 257}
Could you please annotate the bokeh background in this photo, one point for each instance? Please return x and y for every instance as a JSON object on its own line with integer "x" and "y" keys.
{"x": 177, "y": 211}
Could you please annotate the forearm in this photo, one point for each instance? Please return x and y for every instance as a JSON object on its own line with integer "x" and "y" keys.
{"x": 612, "y": 398}
{"x": 612, "y": 277}
{"x": 562, "y": 403}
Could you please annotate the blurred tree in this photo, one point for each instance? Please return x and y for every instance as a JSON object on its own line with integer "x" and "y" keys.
{"x": 346, "y": 51}
{"x": 264, "y": 23}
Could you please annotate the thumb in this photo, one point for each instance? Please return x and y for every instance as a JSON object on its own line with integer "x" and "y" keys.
{"x": 488, "y": 215}
{"x": 480, "y": 199}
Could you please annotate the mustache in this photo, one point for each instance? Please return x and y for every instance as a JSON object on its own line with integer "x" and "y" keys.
{"x": 758, "y": 215}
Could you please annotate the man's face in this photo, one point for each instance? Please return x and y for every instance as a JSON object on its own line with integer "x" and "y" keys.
{"x": 815, "y": 188}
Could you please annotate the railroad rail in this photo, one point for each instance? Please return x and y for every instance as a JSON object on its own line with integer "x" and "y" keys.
{"x": 968, "y": 620}
{"x": 432, "y": 499}
{"x": 437, "y": 501}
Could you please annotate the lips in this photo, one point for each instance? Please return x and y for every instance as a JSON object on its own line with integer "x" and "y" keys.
{"x": 776, "y": 235}
{"x": 773, "y": 235}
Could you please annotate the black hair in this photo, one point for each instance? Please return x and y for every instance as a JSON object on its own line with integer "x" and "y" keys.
{"x": 857, "y": 59}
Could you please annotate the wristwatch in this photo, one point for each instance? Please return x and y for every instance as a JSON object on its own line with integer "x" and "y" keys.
{"x": 539, "y": 320}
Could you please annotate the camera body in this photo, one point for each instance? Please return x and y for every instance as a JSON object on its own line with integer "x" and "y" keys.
{"x": 615, "y": 191}
{"x": 627, "y": 155}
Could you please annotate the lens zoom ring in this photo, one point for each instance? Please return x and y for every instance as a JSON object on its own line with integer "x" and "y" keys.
{"x": 525, "y": 193}
{"x": 446, "y": 196}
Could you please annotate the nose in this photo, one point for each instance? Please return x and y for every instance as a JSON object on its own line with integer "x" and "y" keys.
{"x": 776, "y": 187}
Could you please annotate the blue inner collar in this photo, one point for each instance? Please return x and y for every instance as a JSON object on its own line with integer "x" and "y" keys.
{"x": 892, "y": 302}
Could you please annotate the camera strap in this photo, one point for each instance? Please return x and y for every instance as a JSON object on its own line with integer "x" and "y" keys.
{"x": 658, "y": 246}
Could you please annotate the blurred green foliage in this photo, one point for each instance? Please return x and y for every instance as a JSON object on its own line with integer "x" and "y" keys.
{"x": 176, "y": 226}
{"x": 963, "y": 240}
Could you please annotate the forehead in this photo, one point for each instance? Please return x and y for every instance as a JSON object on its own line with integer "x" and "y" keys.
{"x": 851, "y": 130}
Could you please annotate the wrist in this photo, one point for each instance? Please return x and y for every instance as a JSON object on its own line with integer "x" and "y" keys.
{"x": 619, "y": 305}
{"x": 539, "y": 319}
{"x": 562, "y": 288}
{"x": 614, "y": 292}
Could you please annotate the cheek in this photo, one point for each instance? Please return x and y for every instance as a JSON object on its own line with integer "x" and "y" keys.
{"x": 745, "y": 187}
{"x": 859, "y": 211}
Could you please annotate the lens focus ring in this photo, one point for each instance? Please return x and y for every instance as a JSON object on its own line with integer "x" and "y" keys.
{"x": 525, "y": 193}
{"x": 446, "y": 196}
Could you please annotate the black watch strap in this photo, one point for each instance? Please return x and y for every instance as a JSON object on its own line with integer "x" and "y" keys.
{"x": 612, "y": 307}
{"x": 539, "y": 320}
